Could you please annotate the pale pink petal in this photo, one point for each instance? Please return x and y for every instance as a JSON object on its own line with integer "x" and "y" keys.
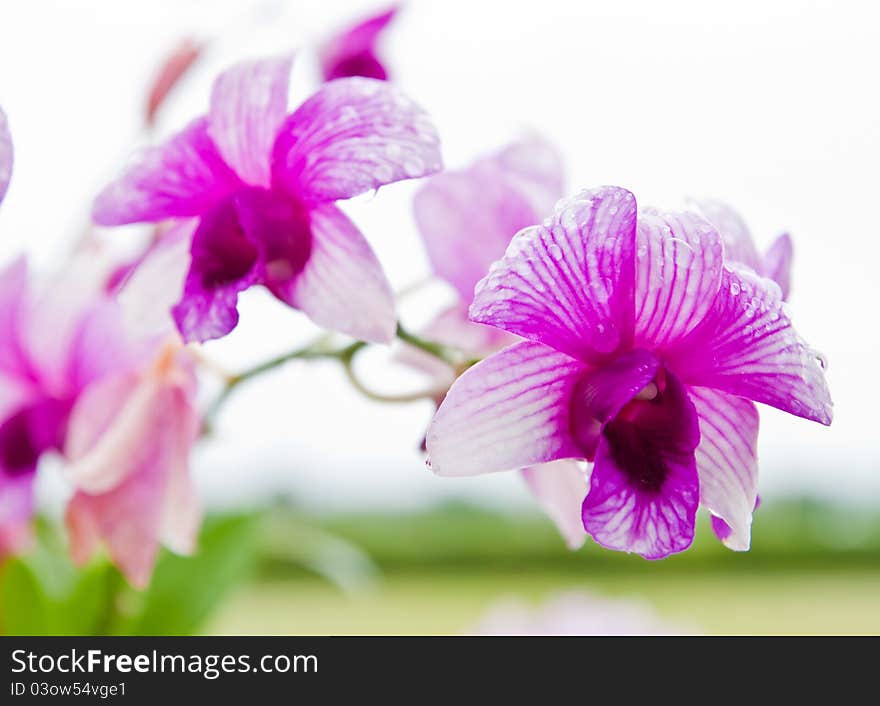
{"x": 342, "y": 286}
{"x": 727, "y": 460}
{"x": 6, "y": 155}
{"x": 678, "y": 270}
{"x": 467, "y": 218}
{"x": 644, "y": 489}
{"x": 509, "y": 411}
{"x": 739, "y": 246}
{"x": 149, "y": 292}
{"x": 248, "y": 106}
{"x": 777, "y": 263}
{"x": 747, "y": 346}
{"x": 560, "y": 488}
{"x": 353, "y": 135}
{"x": 568, "y": 283}
{"x": 181, "y": 178}
{"x": 170, "y": 72}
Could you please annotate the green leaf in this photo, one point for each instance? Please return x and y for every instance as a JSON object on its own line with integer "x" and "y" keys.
{"x": 185, "y": 590}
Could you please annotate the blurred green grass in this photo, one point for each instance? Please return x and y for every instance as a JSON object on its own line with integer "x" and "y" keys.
{"x": 813, "y": 569}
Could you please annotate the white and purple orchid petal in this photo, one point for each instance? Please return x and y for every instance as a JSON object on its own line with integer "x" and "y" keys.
{"x": 224, "y": 262}
{"x": 6, "y": 155}
{"x": 467, "y": 218}
{"x": 509, "y": 411}
{"x": 353, "y": 135}
{"x": 560, "y": 488}
{"x": 248, "y": 106}
{"x": 746, "y": 346}
{"x": 723, "y": 530}
{"x": 644, "y": 489}
{"x": 738, "y": 243}
{"x": 777, "y": 263}
{"x": 182, "y": 178}
{"x": 342, "y": 286}
{"x": 727, "y": 461}
{"x": 678, "y": 270}
{"x": 353, "y": 52}
{"x": 568, "y": 283}
{"x": 155, "y": 284}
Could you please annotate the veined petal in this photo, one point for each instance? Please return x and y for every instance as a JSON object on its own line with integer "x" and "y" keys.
{"x": 6, "y": 155}
{"x": 248, "y": 105}
{"x": 353, "y": 135}
{"x": 182, "y": 178}
{"x": 509, "y": 411}
{"x": 352, "y": 52}
{"x": 467, "y": 218}
{"x": 678, "y": 271}
{"x": 746, "y": 346}
{"x": 777, "y": 263}
{"x": 224, "y": 262}
{"x": 738, "y": 243}
{"x": 727, "y": 460}
{"x": 560, "y": 488}
{"x": 568, "y": 283}
{"x": 644, "y": 489}
{"x": 342, "y": 286}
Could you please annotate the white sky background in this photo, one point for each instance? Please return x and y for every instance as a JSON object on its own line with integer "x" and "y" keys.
{"x": 771, "y": 106}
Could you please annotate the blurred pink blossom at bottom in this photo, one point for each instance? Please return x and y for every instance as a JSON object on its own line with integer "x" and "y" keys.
{"x": 575, "y": 614}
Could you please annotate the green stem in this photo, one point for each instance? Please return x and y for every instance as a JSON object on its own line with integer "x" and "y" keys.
{"x": 437, "y": 350}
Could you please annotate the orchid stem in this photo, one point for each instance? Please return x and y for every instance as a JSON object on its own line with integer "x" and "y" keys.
{"x": 437, "y": 350}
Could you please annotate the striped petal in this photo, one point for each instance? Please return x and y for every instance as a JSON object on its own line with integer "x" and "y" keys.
{"x": 746, "y": 346}
{"x": 568, "y": 283}
{"x": 342, "y": 286}
{"x": 248, "y": 106}
{"x": 183, "y": 177}
{"x": 727, "y": 461}
{"x": 739, "y": 246}
{"x": 509, "y": 411}
{"x": 353, "y": 135}
{"x": 678, "y": 270}
{"x": 777, "y": 263}
{"x": 644, "y": 489}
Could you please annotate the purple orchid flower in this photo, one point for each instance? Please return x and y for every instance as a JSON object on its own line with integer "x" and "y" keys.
{"x": 739, "y": 246}
{"x": 353, "y": 51}
{"x": 466, "y": 219}
{"x": 644, "y": 353}
{"x": 116, "y": 406}
{"x": 262, "y": 184}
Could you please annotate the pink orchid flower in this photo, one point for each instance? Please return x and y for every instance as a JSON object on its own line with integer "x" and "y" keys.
{"x": 644, "y": 352}
{"x": 353, "y": 51}
{"x": 466, "y": 219}
{"x": 116, "y": 406}
{"x": 739, "y": 246}
{"x": 262, "y": 183}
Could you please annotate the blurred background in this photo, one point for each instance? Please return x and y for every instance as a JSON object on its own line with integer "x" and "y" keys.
{"x": 324, "y": 518}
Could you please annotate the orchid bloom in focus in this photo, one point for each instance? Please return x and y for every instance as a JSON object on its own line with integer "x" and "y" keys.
{"x": 353, "y": 51}
{"x": 260, "y": 185}
{"x": 466, "y": 219}
{"x": 644, "y": 355}
{"x": 117, "y": 407}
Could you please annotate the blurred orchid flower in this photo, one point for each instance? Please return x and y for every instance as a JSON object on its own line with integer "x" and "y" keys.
{"x": 174, "y": 68}
{"x": 575, "y": 614}
{"x": 739, "y": 246}
{"x": 643, "y": 353}
{"x": 118, "y": 407}
{"x": 263, "y": 183}
{"x": 466, "y": 219}
{"x": 353, "y": 51}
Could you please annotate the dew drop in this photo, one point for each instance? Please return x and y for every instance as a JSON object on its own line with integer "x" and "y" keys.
{"x": 555, "y": 251}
